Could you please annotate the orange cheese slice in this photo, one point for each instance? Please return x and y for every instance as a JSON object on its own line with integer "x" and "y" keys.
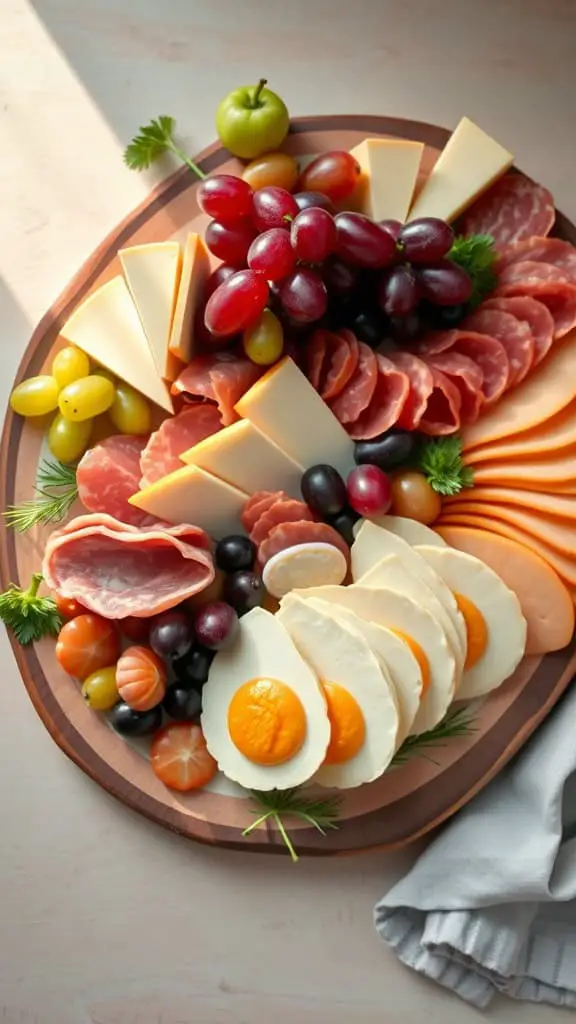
{"x": 559, "y": 534}
{"x": 525, "y": 472}
{"x": 546, "y": 603}
{"x": 551, "y": 436}
{"x": 561, "y": 505}
{"x": 544, "y": 393}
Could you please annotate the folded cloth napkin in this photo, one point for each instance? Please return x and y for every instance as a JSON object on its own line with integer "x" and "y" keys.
{"x": 491, "y": 904}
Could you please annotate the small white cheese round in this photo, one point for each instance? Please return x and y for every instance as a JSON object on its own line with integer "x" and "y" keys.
{"x": 302, "y": 566}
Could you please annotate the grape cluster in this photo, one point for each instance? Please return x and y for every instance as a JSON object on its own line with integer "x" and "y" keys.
{"x": 307, "y": 263}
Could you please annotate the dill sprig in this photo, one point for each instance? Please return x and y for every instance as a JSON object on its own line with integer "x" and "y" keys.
{"x": 278, "y": 804}
{"x": 56, "y": 492}
{"x": 457, "y": 722}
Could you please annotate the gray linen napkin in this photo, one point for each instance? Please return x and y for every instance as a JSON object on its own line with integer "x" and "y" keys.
{"x": 491, "y": 904}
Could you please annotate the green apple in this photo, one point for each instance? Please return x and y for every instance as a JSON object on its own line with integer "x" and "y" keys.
{"x": 252, "y": 120}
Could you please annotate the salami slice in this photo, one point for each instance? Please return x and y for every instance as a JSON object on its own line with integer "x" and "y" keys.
{"x": 487, "y": 352}
{"x": 174, "y": 437}
{"x": 421, "y": 384}
{"x": 315, "y": 357}
{"x": 467, "y": 376}
{"x": 528, "y": 271}
{"x": 559, "y": 299}
{"x": 513, "y": 209}
{"x": 515, "y": 335}
{"x": 554, "y": 251}
{"x": 257, "y": 504}
{"x": 109, "y": 474}
{"x": 120, "y": 572}
{"x": 390, "y": 395}
{"x": 534, "y": 313}
{"x": 286, "y": 535}
{"x": 442, "y": 414}
{"x": 357, "y": 394}
{"x": 282, "y": 511}
{"x": 221, "y": 378}
{"x": 343, "y": 354}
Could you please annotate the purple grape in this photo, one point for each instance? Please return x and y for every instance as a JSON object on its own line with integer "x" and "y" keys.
{"x": 398, "y": 291}
{"x": 339, "y": 278}
{"x": 363, "y": 243}
{"x": 445, "y": 284}
{"x": 303, "y": 296}
{"x": 405, "y": 328}
{"x": 216, "y": 625}
{"x": 393, "y": 227}
{"x": 304, "y": 200}
{"x": 425, "y": 240}
{"x": 171, "y": 635}
{"x": 244, "y": 590}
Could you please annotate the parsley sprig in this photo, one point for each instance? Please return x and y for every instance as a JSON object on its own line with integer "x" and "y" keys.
{"x": 152, "y": 142}
{"x": 28, "y": 616}
{"x": 440, "y": 460}
{"x": 477, "y": 256}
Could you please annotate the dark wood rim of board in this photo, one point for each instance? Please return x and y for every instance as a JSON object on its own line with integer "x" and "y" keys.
{"x": 399, "y": 822}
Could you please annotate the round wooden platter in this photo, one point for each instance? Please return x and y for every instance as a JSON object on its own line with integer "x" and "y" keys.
{"x": 407, "y": 801}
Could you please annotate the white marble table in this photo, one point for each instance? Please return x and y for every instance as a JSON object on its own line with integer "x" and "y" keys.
{"x": 105, "y": 918}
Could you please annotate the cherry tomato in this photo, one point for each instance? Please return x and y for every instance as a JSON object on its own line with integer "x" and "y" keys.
{"x": 279, "y": 169}
{"x": 414, "y": 498}
{"x": 141, "y": 678}
{"x": 180, "y": 758}
{"x": 87, "y": 644}
{"x": 334, "y": 174}
{"x": 100, "y": 691}
{"x": 135, "y": 629}
{"x": 67, "y": 607}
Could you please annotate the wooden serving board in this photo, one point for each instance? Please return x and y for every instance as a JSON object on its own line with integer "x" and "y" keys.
{"x": 407, "y": 801}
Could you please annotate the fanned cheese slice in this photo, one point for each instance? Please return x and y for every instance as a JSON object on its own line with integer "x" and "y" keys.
{"x": 108, "y": 329}
{"x": 195, "y": 270}
{"x": 153, "y": 273}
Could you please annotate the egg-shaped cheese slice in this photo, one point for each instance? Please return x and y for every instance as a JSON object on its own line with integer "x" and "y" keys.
{"x": 361, "y": 706}
{"x": 495, "y": 625}
{"x": 264, "y": 713}
{"x": 398, "y": 664}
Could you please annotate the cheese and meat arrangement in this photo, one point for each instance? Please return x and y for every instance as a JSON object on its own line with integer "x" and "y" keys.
{"x": 323, "y": 460}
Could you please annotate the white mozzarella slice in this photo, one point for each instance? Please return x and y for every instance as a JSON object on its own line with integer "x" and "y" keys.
{"x": 304, "y": 565}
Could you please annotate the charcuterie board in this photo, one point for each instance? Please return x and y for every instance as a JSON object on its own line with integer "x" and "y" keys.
{"x": 407, "y": 800}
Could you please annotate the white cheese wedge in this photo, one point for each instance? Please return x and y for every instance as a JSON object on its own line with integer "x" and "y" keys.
{"x": 190, "y": 495}
{"x": 195, "y": 270}
{"x": 470, "y": 162}
{"x": 152, "y": 274}
{"x": 243, "y": 456}
{"x": 108, "y": 329}
{"x": 408, "y": 529}
{"x": 389, "y": 172}
{"x": 284, "y": 405}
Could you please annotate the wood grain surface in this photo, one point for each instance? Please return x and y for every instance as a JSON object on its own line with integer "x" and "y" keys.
{"x": 86, "y": 886}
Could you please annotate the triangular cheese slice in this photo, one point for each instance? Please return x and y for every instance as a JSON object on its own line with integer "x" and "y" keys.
{"x": 107, "y": 328}
{"x": 195, "y": 270}
{"x": 153, "y": 274}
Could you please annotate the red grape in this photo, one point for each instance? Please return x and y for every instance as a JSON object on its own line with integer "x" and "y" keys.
{"x": 338, "y": 277}
{"x": 217, "y": 277}
{"x": 362, "y": 242}
{"x": 305, "y": 200}
{"x": 425, "y": 240}
{"x": 230, "y": 244}
{"x": 335, "y": 174}
{"x": 398, "y": 291}
{"x": 313, "y": 235}
{"x": 369, "y": 491}
{"x": 273, "y": 207}
{"x": 236, "y": 303}
{"x": 392, "y": 227}
{"x": 271, "y": 254}
{"x": 225, "y": 197}
{"x": 216, "y": 625}
{"x": 303, "y": 296}
{"x": 445, "y": 284}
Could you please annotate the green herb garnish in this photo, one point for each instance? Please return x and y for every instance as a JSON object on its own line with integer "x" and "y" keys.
{"x": 278, "y": 804}
{"x": 477, "y": 256}
{"x": 56, "y": 492}
{"x": 28, "y": 616}
{"x": 440, "y": 459}
{"x": 458, "y": 722}
{"x": 154, "y": 140}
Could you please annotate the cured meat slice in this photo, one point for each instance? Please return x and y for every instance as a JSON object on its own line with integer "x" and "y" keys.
{"x": 487, "y": 352}
{"x": 534, "y": 313}
{"x": 390, "y": 395}
{"x": 286, "y": 535}
{"x": 184, "y": 531}
{"x": 117, "y": 572}
{"x": 358, "y": 393}
{"x": 527, "y": 271}
{"x": 442, "y": 414}
{"x": 109, "y": 474}
{"x": 174, "y": 437}
{"x": 315, "y": 356}
{"x": 515, "y": 335}
{"x": 558, "y": 297}
{"x": 513, "y": 209}
{"x": 221, "y": 378}
{"x": 257, "y": 504}
{"x": 421, "y": 384}
{"x": 282, "y": 511}
{"x": 468, "y": 378}
{"x": 343, "y": 354}
{"x": 554, "y": 251}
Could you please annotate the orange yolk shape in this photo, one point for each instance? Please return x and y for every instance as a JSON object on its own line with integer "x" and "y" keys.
{"x": 421, "y": 658}
{"x": 266, "y": 721}
{"x": 476, "y": 630}
{"x": 347, "y": 725}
